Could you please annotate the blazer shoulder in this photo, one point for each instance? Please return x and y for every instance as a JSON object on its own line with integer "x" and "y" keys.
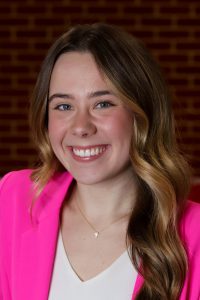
{"x": 15, "y": 196}
{"x": 190, "y": 229}
{"x": 15, "y": 178}
{"x": 15, "y": 185}
{"x": 191, "y": 214}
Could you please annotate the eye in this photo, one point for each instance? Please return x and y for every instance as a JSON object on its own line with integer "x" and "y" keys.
{"x": 63, "y": 107}
{"x": 104, "y": 104}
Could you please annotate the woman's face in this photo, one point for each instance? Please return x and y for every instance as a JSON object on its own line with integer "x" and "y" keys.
{"x": 89, "y": 127}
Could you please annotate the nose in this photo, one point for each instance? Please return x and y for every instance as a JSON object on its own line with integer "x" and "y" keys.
{"x": 83, "y": 125}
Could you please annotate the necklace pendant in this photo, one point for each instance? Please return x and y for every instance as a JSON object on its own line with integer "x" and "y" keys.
{"x": 96, "y": 234}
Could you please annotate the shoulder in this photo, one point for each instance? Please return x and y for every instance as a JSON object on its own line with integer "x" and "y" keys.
{"x": 18, "y": 184}
{"x": 14, "y": 178}
{"x": 14, "y": 186}
{"x": 189, "y": 226}
{"x": 17, "y": 194}
{"x": 15, "y": 181}
{"x": 191, "y": 215}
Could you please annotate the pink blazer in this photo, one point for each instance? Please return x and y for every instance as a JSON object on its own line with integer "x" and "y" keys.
{"x": 27, "y": 247}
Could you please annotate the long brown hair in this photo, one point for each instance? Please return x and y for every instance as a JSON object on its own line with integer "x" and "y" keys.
{"x": 161, "y": 171}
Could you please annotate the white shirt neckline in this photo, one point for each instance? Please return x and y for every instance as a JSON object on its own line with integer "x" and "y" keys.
{"x": 116, "y": 282}
{"x": 117, "y": 261}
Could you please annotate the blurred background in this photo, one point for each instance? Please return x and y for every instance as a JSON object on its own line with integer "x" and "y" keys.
{"x": 169, "y": 28}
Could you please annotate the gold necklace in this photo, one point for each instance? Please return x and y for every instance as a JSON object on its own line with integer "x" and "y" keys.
{"x": 96, "y": 232}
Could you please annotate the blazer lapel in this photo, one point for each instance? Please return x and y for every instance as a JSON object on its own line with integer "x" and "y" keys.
{"x": 38, "y": 244}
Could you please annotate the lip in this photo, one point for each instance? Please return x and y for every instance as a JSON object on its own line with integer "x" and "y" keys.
{"x": 89, "y": 158}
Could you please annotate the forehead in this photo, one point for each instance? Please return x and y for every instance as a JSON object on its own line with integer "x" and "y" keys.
{"x": 75, "y": 62}
{"x": 77, "y": 70}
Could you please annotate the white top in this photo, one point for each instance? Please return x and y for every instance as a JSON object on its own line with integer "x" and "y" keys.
{"x": 116, "y": 282}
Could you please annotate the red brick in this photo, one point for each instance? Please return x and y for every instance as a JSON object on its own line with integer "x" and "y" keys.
{"x": 5, "y": 151}
{"x": 186, "y": 1}
{"x": 69, "y": 9}
{"x": 74, "y": 20}
{"x": 195, "y": 162}
{"x": 14, "y": 69}
{"x": 49, "y": 21}
{"x": 179, "y": 106}
{"x": 15, "y": 139}
{"x": 157, "y": 1}
{"x": 5, "y": 57}
{"x": 31, "y": 9}
{"x": 31, "y": 34}
{"x": 5, "y": 34}
{"x": 5, "y": 10}
{"x": 187, "y": 46}
{"x": 197, "y": 34}
{"x": 174, "y": 10}
{"x": 159, "y": 46}
{"x": 190, "y": 140}
{"x": 26, "y": 81}
{"x": 14, "y": 45}
{"x": 157, "y": 22}
{"x": 173, "y": 34}
{"x": 102, "y": 10}
{"x": 197, "y": 58}
{"x": 191, "y": 117}
{"x": 173, "y": 57}
{"x": 182, "y": 129}
{"x": 195, "y": 128}
{"x": 42, "y": 45}
{"x": 197, "y": 81}
{"x": 197, "y": 9}
{"x": 11, "y": 164}
{"x": 196, "y": 104}
{"x": 28, "y": 151}
{"x": 13, "y": 116}
{"x": 12, "y": 92}
{"x": 14, "y": 21}
{"x": 88, "y": 1}
{"x": 138, "y": 10}
{"x": 110, "y": 1}
{"x": 5, "y": 82}
{"x": 22, "y": 128}
{"x": 188, "y": 22}
{"x": 178, "y": 81}
{"x": 188, "y": 70}
{"x": 142, "y": 34}
{"x": 167, "y": 70}
{"x": 4, "y": 127}
{"x": 189, "y": 93}
{"x": 120, "y": 21}
{"x": 31, "y": 57}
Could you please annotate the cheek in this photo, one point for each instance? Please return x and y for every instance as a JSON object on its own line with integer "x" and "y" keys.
{"x": 55, "y": 130}
{"x": 120, "y": 126}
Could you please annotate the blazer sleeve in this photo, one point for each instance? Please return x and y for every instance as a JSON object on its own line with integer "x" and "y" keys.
{"x": 190, "y": 231}
{"x": 5, "y": 290}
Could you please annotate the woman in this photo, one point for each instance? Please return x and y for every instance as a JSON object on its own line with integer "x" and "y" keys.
{"x": 105, "y": 214}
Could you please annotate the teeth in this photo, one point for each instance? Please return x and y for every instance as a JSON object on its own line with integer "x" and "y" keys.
{"x": 88, "y": 152}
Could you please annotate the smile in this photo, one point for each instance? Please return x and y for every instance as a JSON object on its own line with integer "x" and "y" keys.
{"x": 88, "y": 152}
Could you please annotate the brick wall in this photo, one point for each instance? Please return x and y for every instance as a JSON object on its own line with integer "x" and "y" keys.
{"x": 170, "y": 28}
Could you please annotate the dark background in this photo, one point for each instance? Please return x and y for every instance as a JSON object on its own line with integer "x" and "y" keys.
{"x": 169, "y": 28}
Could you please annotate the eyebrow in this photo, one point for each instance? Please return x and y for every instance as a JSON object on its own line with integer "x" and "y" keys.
{"x": 91, "y": 95}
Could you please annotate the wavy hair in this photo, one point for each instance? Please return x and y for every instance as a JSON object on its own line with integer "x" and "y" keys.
{"x": 153, "y": 230}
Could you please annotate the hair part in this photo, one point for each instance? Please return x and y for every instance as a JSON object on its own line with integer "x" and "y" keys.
{"x": 161, "y": 171}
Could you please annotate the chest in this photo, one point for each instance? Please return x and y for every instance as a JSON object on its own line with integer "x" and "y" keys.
{"x": 115, "y": 282}
{"x": 90, "y": 255}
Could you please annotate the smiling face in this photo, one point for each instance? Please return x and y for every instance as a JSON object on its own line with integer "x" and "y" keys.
{"x": 89, "y": 127}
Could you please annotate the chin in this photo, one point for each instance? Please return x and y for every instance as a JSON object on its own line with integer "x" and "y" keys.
{"x": 87, "y": 180}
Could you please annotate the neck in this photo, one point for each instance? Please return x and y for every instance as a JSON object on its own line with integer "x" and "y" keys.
{"x": 107, "y": 200}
